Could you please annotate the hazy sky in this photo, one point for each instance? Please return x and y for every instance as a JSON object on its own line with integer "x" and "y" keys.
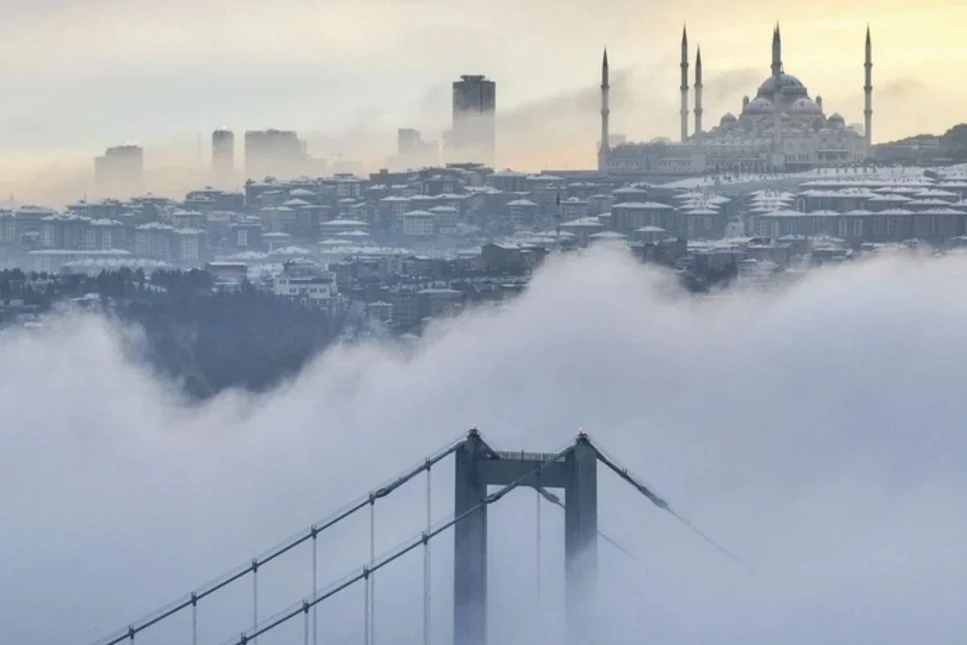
{"x": 77, "y": 77}
{"x": 818, "y": 435}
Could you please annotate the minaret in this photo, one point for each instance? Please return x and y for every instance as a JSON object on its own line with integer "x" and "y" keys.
{"x": 776, "y": 51}
{"x": 868, "y": 92}
{"x": 777, "y": 93}
{"x": 604, "y": 152}
{"x": 698, "y": 92}
{"x": 684, "y": 88}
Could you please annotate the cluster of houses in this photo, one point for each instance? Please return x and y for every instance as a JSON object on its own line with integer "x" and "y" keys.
{"x": 393, "y": 233}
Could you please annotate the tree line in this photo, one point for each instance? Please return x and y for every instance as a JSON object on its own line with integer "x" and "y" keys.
{"x": 204, "y": 339}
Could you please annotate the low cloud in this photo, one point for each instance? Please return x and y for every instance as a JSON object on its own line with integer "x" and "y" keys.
{"x": 815, "y": 433}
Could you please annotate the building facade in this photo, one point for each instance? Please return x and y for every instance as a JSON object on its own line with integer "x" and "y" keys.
{"x": 119, "y": 172}
{"x": 223, "y": 158}
{"x": 474, "y": 134}
{"x": 780, "y": 128}
{"x": 274, "y": 153}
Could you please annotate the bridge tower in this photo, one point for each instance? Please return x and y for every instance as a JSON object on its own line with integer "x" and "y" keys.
{"x": 477, "y": 467}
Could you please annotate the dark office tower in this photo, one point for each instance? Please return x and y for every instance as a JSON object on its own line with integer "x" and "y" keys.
{"x": 474, "y": 134}
{"x": 120, "y": 172}
{"x": 223, "y": 157}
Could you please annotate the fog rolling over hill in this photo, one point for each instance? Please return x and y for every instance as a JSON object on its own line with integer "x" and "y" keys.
{"x": 817, "y": 434}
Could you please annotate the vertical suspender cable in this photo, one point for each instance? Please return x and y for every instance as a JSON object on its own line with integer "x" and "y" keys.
{"x": 194, "y": 618}
{"x": 372, "y": 561}
{"x": 255, "y": 600}
{"x": 305, "y": 618}
{"x": 426, "y": 559}
{"x": 538, "y": 555}
{"x": 315, "y": 585}
{"x": 366, "y": 605}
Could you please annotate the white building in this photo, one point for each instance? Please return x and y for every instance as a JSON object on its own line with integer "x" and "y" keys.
{"x": 419, "y": 224}
{"x": 307, "y": 283}
{"x": 781, "y": 128}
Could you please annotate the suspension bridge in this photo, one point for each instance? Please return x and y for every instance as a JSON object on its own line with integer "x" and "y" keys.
{"x": 478, "y": 468}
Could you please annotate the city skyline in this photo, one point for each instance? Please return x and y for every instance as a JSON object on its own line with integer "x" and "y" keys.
{"x": 676, "y": 245}
{"x": 548, "y": 113}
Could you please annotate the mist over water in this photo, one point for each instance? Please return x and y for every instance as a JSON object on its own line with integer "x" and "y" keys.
{"x": 816, "y": 433}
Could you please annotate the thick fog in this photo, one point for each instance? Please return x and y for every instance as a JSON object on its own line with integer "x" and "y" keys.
{"x": 816, "y": 433}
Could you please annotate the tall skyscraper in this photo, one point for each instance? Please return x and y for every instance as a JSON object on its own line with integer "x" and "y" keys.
{"x": 223, "y": 157}
{"x": 119, "y": 172}
{"x": 274, "y": 153}
{"x": 474, "y": 134}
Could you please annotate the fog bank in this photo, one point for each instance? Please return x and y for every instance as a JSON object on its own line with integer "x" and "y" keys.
{"x": 815, "y": 433}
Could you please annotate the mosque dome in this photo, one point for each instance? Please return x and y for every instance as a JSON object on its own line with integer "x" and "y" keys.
{"x": 786, "y": 82}
{"x": 836, "y": 120}
{"x": 728, "y": 120}
{"x": 805, "y": 105}
{"x": 759, "y": 106}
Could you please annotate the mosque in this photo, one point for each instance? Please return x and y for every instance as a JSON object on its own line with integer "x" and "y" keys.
{"x": 781, "y": 129}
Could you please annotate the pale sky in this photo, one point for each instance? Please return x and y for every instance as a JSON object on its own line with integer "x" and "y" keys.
{"x": 80, "y": 76}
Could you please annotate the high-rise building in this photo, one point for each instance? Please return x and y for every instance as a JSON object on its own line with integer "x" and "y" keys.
{"x": 409, "y": 142}
{"x": 119, "y": 172}
{"x": 223, "y": 157}
{"x": 474, "y": 134}
{"x": 274, "y": 153}
{"x": 413, "y": 151}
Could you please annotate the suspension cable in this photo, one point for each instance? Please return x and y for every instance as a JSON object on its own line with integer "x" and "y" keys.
{"x": 255, "y": 600}
{"x": 426, "y": 560}
{"x": 315, "y": 585}
{"x": 556, "y": 501}
{"x": 305, "y": 621}
{"x": 366, "y": 574}
{"x": 372, "y": 578}
{"x": 238, "y": 573}
{"x": 635, "y": 482}
{"x": 537, "y": 490}
{"x": 194, "y": 619}
{"x": 388, "y": 559}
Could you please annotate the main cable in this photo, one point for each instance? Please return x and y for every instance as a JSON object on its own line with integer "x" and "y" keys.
{"x": 658, "y": 501}
{"x": 491, "y": 498}
{"x": 240, "y": 572}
